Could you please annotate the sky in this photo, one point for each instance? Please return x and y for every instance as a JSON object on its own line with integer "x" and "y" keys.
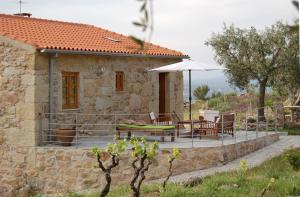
{"x": 183, "y": 25}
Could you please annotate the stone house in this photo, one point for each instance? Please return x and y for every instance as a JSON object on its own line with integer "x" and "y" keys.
{"x": 52, "y": 67}
{"x": 75, "y": 69}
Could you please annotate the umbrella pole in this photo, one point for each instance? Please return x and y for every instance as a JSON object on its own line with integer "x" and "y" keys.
{"x": 190, "y": 94}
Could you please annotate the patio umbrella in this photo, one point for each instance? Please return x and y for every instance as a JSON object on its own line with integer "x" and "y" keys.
{"x": 188, "y": 65}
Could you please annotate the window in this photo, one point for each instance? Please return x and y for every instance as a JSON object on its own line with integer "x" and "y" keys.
{"x": 119, "y": 81}
{"x": 70, "y": 90}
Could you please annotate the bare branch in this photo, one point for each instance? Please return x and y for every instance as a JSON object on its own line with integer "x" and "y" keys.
{"x": 100, "y": 163}
{"x": 170, "y": 172}
{"x": 146, "y": 168}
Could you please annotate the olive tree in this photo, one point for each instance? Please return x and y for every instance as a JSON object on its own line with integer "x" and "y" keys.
{"x": 251, "y": 55}
{"x": 287, "y": 81}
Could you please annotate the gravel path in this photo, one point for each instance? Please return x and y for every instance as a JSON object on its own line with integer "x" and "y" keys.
{"x": 253, "y": 159}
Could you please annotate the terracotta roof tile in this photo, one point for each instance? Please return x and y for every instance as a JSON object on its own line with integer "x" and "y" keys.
{"x": 50, "y": 34}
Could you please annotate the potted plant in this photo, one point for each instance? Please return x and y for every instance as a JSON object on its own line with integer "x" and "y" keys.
{"x": 65, "y": 136}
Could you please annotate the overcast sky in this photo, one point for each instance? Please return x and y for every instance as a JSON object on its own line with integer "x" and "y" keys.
{"x": 178, "y": 24}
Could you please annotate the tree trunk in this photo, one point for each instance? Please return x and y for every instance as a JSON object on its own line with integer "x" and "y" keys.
{"x": 106, "y": 188}
{"x": 170, "y": 173}
{"x": 261, "y": 100}
{"x": 297, "y": 102}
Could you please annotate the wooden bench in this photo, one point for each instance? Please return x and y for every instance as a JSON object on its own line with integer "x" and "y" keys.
{"x": 153, "y": 130}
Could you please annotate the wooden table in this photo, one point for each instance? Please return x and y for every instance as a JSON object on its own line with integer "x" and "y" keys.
{"x": 190, "y": 122}
{"x": 153, "y": 130}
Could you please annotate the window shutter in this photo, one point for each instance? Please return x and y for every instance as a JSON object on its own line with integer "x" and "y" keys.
{"x": 70, "y": 92}
{"x": 119, "y": 81}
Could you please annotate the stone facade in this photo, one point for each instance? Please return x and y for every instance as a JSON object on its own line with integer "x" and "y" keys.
{"x": 17, "y": 93}
{"x": 97, "y": 94}
{"x": 55, "y": 170}
{"x": 97, "y": 88}
{"x": 24, "y": 96}
{"x": 24, "y": 90}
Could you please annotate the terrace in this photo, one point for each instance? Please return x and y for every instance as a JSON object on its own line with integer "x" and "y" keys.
{"x": 99, "y": 129}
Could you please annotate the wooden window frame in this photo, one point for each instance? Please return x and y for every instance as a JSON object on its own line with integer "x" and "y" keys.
{"x": 120, "y": 81}
{"x": 67, "y": 76}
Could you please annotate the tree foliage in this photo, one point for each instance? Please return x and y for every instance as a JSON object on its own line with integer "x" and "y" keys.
{"x": 249, "y": 54}
{"x": 287, "y": 80}
{"x": 201, "y": 92}
{"x": 145, "y": 22}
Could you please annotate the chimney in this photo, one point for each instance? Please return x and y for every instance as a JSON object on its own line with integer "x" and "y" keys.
{"x": 23, "y": 14}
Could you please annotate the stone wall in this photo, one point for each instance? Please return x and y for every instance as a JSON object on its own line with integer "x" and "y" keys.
{"x": 97, "y": 94}
{"x": 24, "y": 90}
{"x": 53, "y": 170}
{"x": 17, "y": 94}
{"x": 24, "y": 94}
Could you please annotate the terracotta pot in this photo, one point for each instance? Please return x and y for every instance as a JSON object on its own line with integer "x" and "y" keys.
{"x": 65, "y": 136}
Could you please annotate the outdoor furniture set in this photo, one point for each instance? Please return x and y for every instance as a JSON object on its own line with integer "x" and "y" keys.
{"x": 164, "y": 126}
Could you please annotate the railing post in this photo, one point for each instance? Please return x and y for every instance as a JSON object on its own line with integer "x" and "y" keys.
{"x": 115, "y": 124}
{"x": 192, "y": 132}
{"x": 222, "y": 129}
{"x": 234, "y": 127}
{"x": 257, "y": 124}
{"x": 40, "y": 143}
{"x": 267, "y": 124}
{"x": 246, "y": 126}
{"x": 276, "y": 117}
{"x": 76, "y": 134}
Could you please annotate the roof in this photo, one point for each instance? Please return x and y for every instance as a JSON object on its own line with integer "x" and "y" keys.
{"x": 66, "y": 36}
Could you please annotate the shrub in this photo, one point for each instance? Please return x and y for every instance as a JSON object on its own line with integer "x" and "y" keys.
{"x": 293, "y": 157}
{"x": 218, "y": 103}
{"x": 241, "y": 172}
{"x": 231, "y": 94}
{"x": 269, "y": 102}
{"x": 265, "y": 191}
{"x": 171, "y": 159}
{"x": 216, "y": 94}
{"x": 201, "y": 92}
{"x": 113, "y": 151}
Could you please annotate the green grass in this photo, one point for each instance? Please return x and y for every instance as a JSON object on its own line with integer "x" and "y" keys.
{"x": 287, "y": 183}
{"x": 292, "y": 131}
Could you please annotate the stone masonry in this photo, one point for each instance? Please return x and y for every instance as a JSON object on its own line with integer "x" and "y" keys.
{"x": 97, "y": 94}
{"x": 17, "y": 95}
{"x": 24, "y": 90}
{"x": 55, "y": 170}
{"x": 24, "y": 95}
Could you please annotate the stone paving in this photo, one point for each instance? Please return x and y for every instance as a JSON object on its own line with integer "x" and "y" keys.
{"x": 181, "y": 142}
{"x": 253, "y": 159}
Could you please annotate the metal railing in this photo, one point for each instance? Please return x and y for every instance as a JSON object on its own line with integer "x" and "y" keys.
{"x": 87, "y": 130}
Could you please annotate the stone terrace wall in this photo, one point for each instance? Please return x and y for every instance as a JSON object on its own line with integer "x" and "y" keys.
{"x": 53, "y": 170}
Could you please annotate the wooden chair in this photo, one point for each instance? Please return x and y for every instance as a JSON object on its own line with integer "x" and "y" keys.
{"x": 165, "y": 120}
{"x": 211, "y": 129}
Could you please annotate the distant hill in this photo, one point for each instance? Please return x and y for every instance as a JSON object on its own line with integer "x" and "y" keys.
{"x": 216, "y": 81}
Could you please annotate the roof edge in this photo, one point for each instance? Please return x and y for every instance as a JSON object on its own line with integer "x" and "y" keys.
{"x": 53, "y": 51}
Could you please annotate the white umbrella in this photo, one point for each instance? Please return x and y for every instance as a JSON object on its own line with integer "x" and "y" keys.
{"x": 188, "y": 65}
